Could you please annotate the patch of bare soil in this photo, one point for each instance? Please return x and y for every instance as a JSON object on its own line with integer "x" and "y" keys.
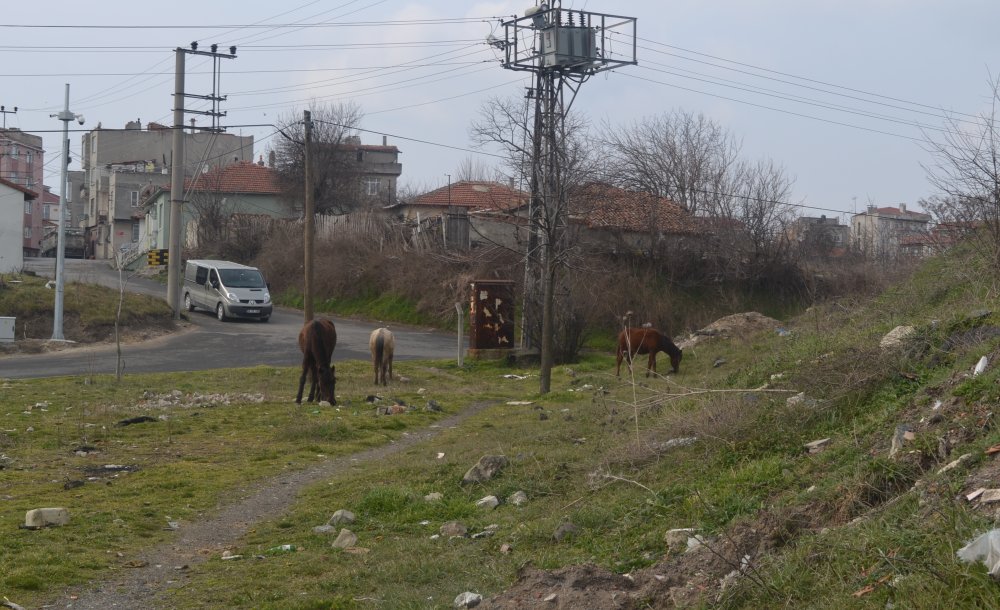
{"x": 736, "y": 325}
{"x": 93, "y": 338}
{"x": 679, "y": 580}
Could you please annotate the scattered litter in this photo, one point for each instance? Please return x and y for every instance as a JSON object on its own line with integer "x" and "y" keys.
{"x": 227, "y": 555}
{"x": 519, "y": 403}
{"x": 954, "y": 464}
{"x": 993, "y": 449}
{"x": 283, "y": 548}
{"x": 985, "y": 548}
{"x": 980, "y": 366}
{"x": 975, "y": 494}
{"x": 513, "y": 376}
{"x": 990, "y": 496}
{"x": 440, "y": 455}
{"x": 172, "y": 526}
{"x": 784, "y": 332}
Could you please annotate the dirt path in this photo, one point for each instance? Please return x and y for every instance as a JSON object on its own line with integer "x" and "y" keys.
{"x": 141, "y": 587}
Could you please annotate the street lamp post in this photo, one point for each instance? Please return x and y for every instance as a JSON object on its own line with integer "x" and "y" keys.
{"x": 57, "y": 318}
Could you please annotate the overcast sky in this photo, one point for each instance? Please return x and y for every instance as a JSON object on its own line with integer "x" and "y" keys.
{"x": 841, "y": 93}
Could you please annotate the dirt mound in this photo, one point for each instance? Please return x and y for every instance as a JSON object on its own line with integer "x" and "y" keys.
{"x": 736, "y": 325}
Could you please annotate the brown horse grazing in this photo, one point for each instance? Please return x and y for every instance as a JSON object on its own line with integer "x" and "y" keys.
{"x": 317, "y": 340}
{"x": 382, "y": 344}
{"x": 632, "y": 341}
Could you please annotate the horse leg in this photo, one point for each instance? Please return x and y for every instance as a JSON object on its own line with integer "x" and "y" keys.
{"x": 302, "y": 383}
{"x": 618, "y": 358}
{"x": 314, "y": 384}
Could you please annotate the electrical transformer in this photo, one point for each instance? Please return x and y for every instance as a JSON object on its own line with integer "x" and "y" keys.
{"x": 569, "y": 47}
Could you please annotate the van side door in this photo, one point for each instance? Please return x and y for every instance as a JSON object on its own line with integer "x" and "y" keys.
{"x": 198, "y": 290}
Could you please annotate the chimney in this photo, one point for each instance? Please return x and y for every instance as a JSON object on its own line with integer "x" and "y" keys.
{"x": 902, "y": 208}
{"x": 193, "y": 130}
{"x": 260, "y": 162}
{"x": 271, "y": 159}
{"x": 385, "y": 140}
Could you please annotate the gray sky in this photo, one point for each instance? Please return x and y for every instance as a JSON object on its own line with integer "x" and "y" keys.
{"x": 839, "y": 92}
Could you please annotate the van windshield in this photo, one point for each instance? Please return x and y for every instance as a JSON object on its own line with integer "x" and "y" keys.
{"x": 242, "y": 278}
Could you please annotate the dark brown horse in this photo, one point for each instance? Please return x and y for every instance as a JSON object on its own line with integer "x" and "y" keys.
{"x": 317, "y": 340}
{"x": 632, "y": 341}
{"x": 382, "y": 345}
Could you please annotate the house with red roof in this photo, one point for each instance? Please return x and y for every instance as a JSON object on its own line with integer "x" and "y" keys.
{"x": 468, "y": 212}
{"x": 242, "y": 188}
{"x": 606, "y": 217}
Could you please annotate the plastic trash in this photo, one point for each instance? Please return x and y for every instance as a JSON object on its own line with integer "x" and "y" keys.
{"x": 985, "y": 548}
{"x": 980, "y": 366}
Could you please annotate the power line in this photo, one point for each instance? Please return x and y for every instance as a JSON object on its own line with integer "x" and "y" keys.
{"x": 399, "y": 137}
{"x": 250, "y": 26}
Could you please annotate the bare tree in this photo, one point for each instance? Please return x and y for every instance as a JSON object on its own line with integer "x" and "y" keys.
{"x": 512, "y": 125}
{"x": 336, "y": 177}
{"x": 966, "y": 172}
{"x": 475, "y": 170}
{"x": 685, "y": 157}
{"x": 212, "y": 211}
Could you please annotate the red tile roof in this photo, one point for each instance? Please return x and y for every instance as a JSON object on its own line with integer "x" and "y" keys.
{"x": 31, "y": 194}
{"x": 474, "y": 195}
{"x": 240, "y": 177}
{"x": 602, "y": 206}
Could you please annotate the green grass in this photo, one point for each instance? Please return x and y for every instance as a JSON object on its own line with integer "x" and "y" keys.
{"x": 847, "y": 527}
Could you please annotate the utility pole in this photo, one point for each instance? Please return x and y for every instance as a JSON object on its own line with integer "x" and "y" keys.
{"x": 309, "y": 220}
{"x": 57, "y": 317}
{"x": 177, "y": 161}
{"x": 566, "y": 48}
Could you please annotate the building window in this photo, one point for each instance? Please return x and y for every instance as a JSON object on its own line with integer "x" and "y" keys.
{"x": 133, "y": 198}
{"x": 13, "y": 152}
{"x": 27, "y": 208}
{"x": 372, "y": 186}
{"x": 46, "y": 212}
{"x": 135, "y": 231}
{"x": 361, "y": 156}
{"x": 27, "y": 232}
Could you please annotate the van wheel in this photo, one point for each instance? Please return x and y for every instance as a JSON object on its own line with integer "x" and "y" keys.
{"x": 220, "y": 312}
{"x": 187, "y": 302}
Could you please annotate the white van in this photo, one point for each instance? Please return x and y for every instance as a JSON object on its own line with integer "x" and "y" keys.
{"x": 231, "y": 290}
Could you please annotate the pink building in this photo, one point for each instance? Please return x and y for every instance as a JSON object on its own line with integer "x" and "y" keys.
{"x": 21, "y": 163}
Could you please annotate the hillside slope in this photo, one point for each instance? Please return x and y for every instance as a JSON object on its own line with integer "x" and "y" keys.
{"x": 819, "y": 468}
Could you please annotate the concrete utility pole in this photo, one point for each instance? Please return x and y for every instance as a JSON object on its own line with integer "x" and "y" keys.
{"x": 309, "y": 221}
{"x": 57, "y": 317}
{"x": 175, "y": 253}
{"x": 176, "y": 189}
{"x": 567, "y": 48}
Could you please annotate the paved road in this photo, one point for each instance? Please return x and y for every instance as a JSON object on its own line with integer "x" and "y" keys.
{"x": 207, "y": 343}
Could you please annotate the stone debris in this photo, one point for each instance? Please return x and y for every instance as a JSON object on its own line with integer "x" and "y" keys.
{"x": 517, "y": 498}
{"x": 896, "y": 337}
{"x": 454, "y": 529}
{"x": 565, "y": 530}
{"x": 346, "y": 538}
{"x": 955, "y": 464}
{"x": 489, "y": 502}
{"x": 468, "y": 600}
{"x": 341, "y": 516}
{"x": 488, "y": 467}
{"x": 45, "y": 517}
{"x": 817, "y": 446}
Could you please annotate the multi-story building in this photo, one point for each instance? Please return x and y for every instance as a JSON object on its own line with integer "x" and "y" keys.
{"x": 878, "y": 232}
{"x": 21, "y": 162}
{"x": 819, "y": 236}
{"x": 377, "y": 166}
{"x": 118, "y": 164}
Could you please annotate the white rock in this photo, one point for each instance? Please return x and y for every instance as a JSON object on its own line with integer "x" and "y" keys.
{"x": 468, "y": 600}
{"x": 42, "y": 517}
{"x": 980, "y": 366}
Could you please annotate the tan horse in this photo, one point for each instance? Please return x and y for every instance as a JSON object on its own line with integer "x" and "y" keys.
{"x": 382, "y": 344}
{"x": 317, "y": 340}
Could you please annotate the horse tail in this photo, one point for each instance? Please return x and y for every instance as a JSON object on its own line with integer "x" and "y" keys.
{"x": 321, "y": 359}
{"x": 379, "y": 348}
